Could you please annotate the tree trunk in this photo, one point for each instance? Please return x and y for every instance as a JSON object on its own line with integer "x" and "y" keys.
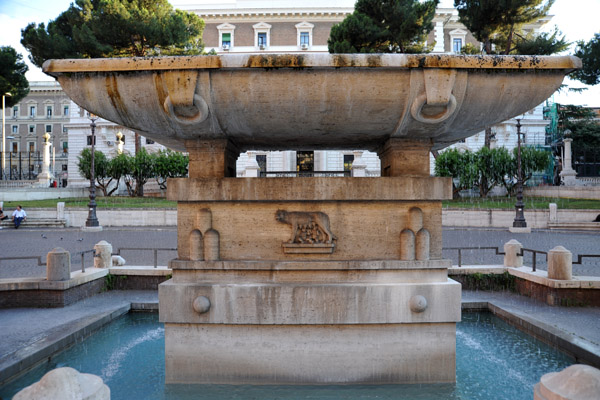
{"x": 488, "y": 137}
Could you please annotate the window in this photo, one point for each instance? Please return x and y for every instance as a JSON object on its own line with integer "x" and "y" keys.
{"x": 304, "y": 30}
{"x": 226, "y": 39}
{"x": 15, "y": 147}
{"x": 15, "y": 129}
{"x": 149, "y": 141}
{"x": 64, "y": 167}
{"x": 32, "y": 129}
{"x": 304, "y": 38}
{"x": 65, "y": 129}
{"x": 226, "y": 36}
{"x": 458, "y": 39}
{"x": 456, "y": 45}
{"x": 66, "y": 111}
{"x": 261, "y": 35}
{"x": 262, "y": 39}
{"x": 89, "y": 140}
{"x": 261, "y": 159}
{"x": 15, "y": 111}
{"x": 348, "y": 160}
{"x": 48, "y": 128}
{"x": 32, "y": 111}
{"x": 65, "y": 147}
{"x": 48, "y": 111}
{"x": 305, "y": 161}
{"x": 31, "y": 147}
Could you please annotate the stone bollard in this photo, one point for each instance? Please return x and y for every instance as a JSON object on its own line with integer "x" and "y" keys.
{"x": 103, "y": 255}
{"x": 66, "y": 383}
{"x": 577, "y": 382}
{"x": 60, "y": 210}
{"x": 553, "y": 212}
{"x": 560, "y": 264}
{"x": 511, "y": 250}
{"x": 58, "y": 265}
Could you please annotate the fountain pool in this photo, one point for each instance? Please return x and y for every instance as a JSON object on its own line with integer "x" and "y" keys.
{"x": 494, "y": 360}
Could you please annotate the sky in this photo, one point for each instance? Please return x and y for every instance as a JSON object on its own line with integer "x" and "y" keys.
{"x": 577, "y": 19}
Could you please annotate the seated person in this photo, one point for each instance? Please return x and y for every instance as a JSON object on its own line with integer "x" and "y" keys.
{"x": 18, "y": 216}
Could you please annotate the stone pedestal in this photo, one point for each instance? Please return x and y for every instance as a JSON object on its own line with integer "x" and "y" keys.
{"x": 568, "y": 174}
{"x": 66, "y": 383}
{"x": 512, "y": 249}
{"x": 45, "y": 176}
{"x": 58, "y": 265}
{"x": 309, "y": 280}
{"x": 577, "y": 382}
{"x": 560, "y": 264}
{"x": 103, "y": 254}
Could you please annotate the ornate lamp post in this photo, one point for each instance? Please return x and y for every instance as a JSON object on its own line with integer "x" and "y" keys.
{"x": 519, "y": 221}
{"x": 4, "y": 134}
{"x": 92, "y": 220}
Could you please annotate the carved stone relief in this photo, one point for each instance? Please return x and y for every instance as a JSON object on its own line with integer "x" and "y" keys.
{"x": 204, "y": 240}
{"x": 310, "y": 232}
{"x": 414, "y": 246}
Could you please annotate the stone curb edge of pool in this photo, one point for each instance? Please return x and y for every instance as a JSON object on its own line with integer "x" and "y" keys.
{"x": 582, "y": 350}
{"x": 15, "y": 364}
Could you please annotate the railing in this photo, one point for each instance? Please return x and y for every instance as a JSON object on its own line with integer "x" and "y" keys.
{"x": 38, "y": 258}
{"x": 82, "y": 254}
{"x": 460, "y": 249}
{"x": 304, "y": 174}
{"x": 155, "y": 250}
{"x": 533, "y": 252}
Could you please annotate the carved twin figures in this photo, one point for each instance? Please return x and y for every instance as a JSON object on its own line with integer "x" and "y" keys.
{"x": 204, "y": 240}
{"x": 414, "y": 239}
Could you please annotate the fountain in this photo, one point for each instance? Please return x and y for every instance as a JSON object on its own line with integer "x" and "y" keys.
{"x": 310, "y": 280}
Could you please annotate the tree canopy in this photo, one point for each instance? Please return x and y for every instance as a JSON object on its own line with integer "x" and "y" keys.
{"x": 12, "y": 75}
{"x": 500, "y": 23}
{"x": 590, "y": 56}
{"x": 384, "y": 26}
{"x": 115, "y": 28}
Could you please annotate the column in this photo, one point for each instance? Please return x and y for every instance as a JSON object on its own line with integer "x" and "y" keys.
{"x": 568, "y": 173}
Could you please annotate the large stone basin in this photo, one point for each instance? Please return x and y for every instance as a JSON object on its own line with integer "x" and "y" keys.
{"x": 317, "y": 101}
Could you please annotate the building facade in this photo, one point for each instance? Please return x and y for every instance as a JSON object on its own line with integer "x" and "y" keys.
{"x": 46, "y": 109}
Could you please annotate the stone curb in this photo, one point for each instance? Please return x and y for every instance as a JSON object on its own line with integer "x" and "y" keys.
{"x": 578, "y": 348}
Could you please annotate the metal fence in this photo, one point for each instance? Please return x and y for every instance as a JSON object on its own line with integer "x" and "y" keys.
{"x": 304, "y": 174}
{"x": 144, "y": 249}
{"x": 23, "y": 165}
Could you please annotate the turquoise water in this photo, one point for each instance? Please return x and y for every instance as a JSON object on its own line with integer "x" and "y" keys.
{"x": 494, "y": 361}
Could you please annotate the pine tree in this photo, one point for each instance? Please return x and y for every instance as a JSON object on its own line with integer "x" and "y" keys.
{"x": 115, "y": 28}
{"x": 590, "y": 55}
{"x": 500, "y": 22}
{"x": 12, "y": 76}
{"x": 384, "y": 26}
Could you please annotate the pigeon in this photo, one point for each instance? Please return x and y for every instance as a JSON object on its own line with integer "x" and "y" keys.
{"x": 80, "y": 240}
{"x": 44, "y": 236}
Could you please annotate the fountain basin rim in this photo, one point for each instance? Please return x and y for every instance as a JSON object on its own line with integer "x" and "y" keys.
{"x": 319, "y": 61}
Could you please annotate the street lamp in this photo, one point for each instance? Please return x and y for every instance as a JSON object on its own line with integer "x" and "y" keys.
{"x": 4, "y": 134}
{"x": 519, "y": 221}
{"x": 92, "y": 220}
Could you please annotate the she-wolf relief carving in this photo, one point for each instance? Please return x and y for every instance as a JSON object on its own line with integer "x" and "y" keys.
{"x": 204, "y": 240}
{"x": 310, "y": 232}
{"x": 414, "y": 246}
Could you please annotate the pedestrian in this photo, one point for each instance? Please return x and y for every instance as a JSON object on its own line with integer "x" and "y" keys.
{"x": 2, "y": 215}
{"x": 18, "y": 216}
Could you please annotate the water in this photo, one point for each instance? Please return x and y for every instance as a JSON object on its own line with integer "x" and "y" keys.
{"x": 494, "y": 360}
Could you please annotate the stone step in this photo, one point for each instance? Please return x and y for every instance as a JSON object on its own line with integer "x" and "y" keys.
{"x": 580, "y": 226}
{"x": 36, "y": 223}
